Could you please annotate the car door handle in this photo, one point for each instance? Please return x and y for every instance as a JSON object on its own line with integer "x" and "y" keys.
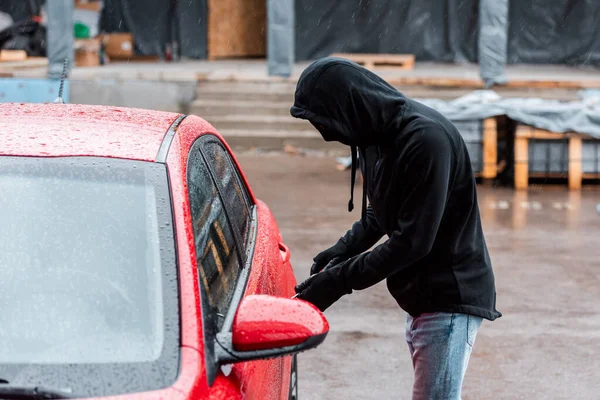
{"x": 285, "y": 252}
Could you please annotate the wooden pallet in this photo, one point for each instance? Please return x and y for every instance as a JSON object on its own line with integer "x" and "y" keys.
{"x": 521, "y": 153}
{"x": 380, "y": 61}
{"x": 490, "y": 150}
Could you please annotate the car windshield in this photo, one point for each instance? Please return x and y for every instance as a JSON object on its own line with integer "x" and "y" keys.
{"x": 89, "y": 280}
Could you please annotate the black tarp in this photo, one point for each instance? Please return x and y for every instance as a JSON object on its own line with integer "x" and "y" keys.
{"x": 19, "y": 10}
{"x": 554, "y": 32}
{"x": 25, "y": 35}
{"x": 153, "y": 24}
{"x": 442, "y": 30}
{"x": 193, "y": 28}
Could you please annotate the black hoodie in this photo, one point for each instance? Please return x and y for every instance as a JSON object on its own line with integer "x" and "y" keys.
{"x": 421, "y": 191}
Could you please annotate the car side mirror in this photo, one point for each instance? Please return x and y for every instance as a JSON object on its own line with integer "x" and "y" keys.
{"x": 267, "y": 327}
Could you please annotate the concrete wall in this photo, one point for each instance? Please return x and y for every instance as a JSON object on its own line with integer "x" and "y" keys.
{"x": 156, "y": 95}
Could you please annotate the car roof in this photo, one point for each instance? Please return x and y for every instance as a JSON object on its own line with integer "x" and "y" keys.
{"x": 81, "y": 130}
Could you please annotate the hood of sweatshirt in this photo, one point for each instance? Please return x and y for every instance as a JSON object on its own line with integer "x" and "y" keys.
{"x": 349, "y": 104}
{"x": 346, "y": 102}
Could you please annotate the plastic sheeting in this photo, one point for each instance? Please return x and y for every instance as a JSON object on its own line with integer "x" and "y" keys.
{"x": 556, "y": 116}
{"x": 280, "y": 39}
{"x": 554, "y": 32}
{"x": 5, "y": 20}
{"x": 493, "y": 31}
{"x": 444, "y": 30}
{"x": 153, "y": 23}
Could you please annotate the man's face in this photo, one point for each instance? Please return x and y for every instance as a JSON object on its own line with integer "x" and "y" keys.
{"x": 330, "y": 135}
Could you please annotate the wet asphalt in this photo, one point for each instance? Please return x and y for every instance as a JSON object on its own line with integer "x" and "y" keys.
{"x": 545, "y": 249}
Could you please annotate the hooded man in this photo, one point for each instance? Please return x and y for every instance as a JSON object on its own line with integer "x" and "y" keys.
{"x": 422, "y": 195}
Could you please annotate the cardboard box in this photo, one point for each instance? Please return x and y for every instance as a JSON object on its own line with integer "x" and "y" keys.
{"x": 87, "y": 52}
{"x": 92, "y": 6}
{"x": 85, "y": 59}
{"x": 118, "y": 46}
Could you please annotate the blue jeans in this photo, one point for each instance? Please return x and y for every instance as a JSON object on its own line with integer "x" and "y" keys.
{"x": 440, "y": 345}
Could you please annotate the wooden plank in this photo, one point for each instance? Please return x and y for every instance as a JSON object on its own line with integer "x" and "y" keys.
{"x": 490, "y": 149}
{"x": 377, "y": 57}
{"x": 30, "y": 62}
{"x": 575, "y": 160}
{"x": 590, "y": 175}
{"x": 236, "y": 28}
{"x": 478, "y": 84}
{"x": 546, "y": 135}
{"x": 521, "y": 163}
{"x": 435, "y": 82}
{"x": 549, "y": 175}
{"x": 562, "y": 175}
{"x": 381, "y": 61}
{"x": 530, "y": 132}
{"x": 545, "y": 84}
{"x": 13, "y": 55}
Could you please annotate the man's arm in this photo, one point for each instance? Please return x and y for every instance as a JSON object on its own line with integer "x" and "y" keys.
{"x": 363, "y": 234}
{"x": 427, "y": 169}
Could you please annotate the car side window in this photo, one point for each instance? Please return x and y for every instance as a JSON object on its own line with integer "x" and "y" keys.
{"x": 217, "y": 253}
{"x": 233, "y": 190}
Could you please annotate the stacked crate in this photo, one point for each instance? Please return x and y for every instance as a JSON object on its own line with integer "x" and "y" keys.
{"x": 541, "y": 153}
{"x": 480, "y": 137}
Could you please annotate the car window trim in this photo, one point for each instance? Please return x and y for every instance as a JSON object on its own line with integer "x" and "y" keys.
{"x": 212, "y": 366}
{"x": 165, "y": 145}
{"x": 210, "y": 138}
{"x": 240, "y": 288}
{"x": 246, "y": 262}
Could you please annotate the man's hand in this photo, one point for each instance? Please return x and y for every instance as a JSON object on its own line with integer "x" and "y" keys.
{"x": 324, "y": 288}
{"x": 334, "y": 255}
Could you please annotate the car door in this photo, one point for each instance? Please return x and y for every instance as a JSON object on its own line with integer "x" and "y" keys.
{"x": 238, "y": 248}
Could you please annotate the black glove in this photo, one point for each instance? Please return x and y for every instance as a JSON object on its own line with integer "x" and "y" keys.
{"x": 324, "y": 288}
{"x": 334, "y": 255}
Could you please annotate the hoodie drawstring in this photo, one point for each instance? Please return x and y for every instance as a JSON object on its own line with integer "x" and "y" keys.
{"x": 354, "y": 151}
{"x": 352, "y": 179}
{"x": 363, "y": 214}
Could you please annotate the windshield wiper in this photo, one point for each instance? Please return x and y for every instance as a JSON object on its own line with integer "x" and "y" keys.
{"x": 9, "y": 392}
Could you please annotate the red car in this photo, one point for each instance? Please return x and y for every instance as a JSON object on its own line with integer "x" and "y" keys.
{"x": 137, "y": 264}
